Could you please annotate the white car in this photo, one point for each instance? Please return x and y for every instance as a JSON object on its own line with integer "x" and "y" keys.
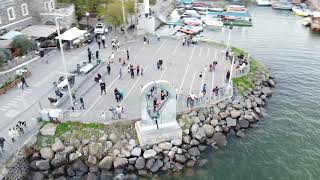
{"x": 100, "y": 28}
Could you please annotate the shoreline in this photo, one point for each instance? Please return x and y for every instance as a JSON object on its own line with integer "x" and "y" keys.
{"x": 115, "y": 154}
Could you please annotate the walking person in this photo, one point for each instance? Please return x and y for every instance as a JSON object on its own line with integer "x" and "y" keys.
{"x": 144, "y": 39}
{"x": 131, "y": 71}
{"x": 12, "y": 135}
{"x": 227, "y": 76}
{"x": 127, "y": 55}
{"x": 97, "y": 54}
{"x": 138, "y": 70}
{"x": 103, "y": 40}
{"x": 109, "y": 69}
{"x": 155, "y": 100}
{"x": 23, "y": 81}
{"x": 227, "y": 55}
{"x": 120, "y": 73}
{"x": 141, "y": 71}
{"x": 89, "y": 55}
{"x": 112, "y": 57}
{"x": 103, "y": 87}
{"x": 119, "y": 111}
{"x": 2, "y": 140}
{"x": 99, "y": 42}
{"x": 113, "y": 112}
{"x": 81, "y": 102}
{"x": 204, "y": 89}
{"x": 116, "y": 94}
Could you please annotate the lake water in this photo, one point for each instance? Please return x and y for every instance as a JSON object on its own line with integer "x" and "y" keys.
{"x": 286, "y": 143}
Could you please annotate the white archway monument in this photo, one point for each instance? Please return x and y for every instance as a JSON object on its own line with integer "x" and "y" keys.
{"x": 158, "y": 124}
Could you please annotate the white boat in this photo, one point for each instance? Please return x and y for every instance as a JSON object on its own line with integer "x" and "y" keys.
{"x": 301, "y": 11}
{"x": 192, "y": 21}
{"x": 191, "y": 13}
{"x": 306, "y": 21}
{"x": 214, "y": 23}
{"x": 215, "y": 8}
{"x": 263, "y": 2}
{"x": 191, "y": 29}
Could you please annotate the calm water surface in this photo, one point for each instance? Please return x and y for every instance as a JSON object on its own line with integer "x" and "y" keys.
{"x": 286, "y": 144}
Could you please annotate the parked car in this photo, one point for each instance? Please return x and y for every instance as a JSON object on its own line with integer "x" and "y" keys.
{"x": 100, "y": 28}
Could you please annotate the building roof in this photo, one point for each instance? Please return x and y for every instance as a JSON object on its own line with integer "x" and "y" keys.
{"x": 10, "y": 35}
{"x": 5, "y": 44}
{"x": 72, "y": 34}
{"x": 39, "y": 30}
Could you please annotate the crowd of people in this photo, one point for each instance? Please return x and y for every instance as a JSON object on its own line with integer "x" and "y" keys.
{"x": 14, "y": 133}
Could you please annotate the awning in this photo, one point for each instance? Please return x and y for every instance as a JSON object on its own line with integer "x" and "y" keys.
{"x": 72, "y": 34}
{"x": 10, "y": 35}
{"x": 39, "y": 31}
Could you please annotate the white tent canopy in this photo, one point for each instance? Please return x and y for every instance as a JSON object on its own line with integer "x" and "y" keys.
{"x": 10, "y": 35}
{"x": 72, "y": 34}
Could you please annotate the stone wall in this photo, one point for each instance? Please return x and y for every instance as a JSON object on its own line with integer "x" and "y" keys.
{"x": 18, "y": 170}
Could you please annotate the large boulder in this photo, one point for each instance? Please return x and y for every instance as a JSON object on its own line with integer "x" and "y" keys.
{"x": 224, "y": 114}
{"x": 48, "y": 129}
{"x": 150, "y": 163}
{"x": 209, "y": 130}
{"x": 95, "y": 149}
{"x": 165, "y": 146}
{"x": 57, "y": 145}
{"x": 231, "y": 122}
{"x": 38, "y": 176}
{"x": 195, "y": 120}
{"x": 220, "y": 139}
{"x": 120, "y": 162}
{"x": 176, "y": 142}
{"x": 59, "y": 171}
{"x": 74, "y": 156}
{"x": 140, "y": 163}
{"x": 46, "y": 153}
{"x": 194, "y": 129}
{"x": 59, "y": 160}
{"x": 235, "y": 113}
{"x": 113, "y": 138}
{"x": 271, "y": 83}
{"x": 194, "y": 151}
{"x": 249, "y": 118}
{"x": 180, "y": 158}
{"x": 156, "y": 166}
{"x": 92, "y": 160}
{"x": 248, "y": 103}
{"x": 214, "y": 122}
{"x": 43, "y": 165}
{"x": 200, "y": 133}
{"x": 243, "y": 123}
{"x": 222, "y": 105}
{"x": 106, "y": 163}
{"x": 136, "y": 151}
{"x": 150, "y": 153}
{"x": 80, "y": 167}
{"x": 240, "y": 133}
{"x": 186, "y": 139}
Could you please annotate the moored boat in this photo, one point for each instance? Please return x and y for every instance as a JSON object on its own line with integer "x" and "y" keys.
{"x": 301, "y": 11}
{"x": 214, "y": 23}
{"x": 215, "y": 8}
{"x": 192, "y": 21}
{"x": 315, "y": 21}
{"x": 237, "y": 8}
{"x": 283, "y": 5}
{"x": 263, "y": 2}
{"x": 191, "y": 13}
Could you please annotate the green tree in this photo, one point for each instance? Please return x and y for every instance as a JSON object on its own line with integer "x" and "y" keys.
{"x": 4, "y": 55}
{"x": 84, "y": 6}
{"x": 21, "y": 44}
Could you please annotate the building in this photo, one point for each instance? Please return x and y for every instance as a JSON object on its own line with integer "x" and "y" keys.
{"x": 19, "y": 14}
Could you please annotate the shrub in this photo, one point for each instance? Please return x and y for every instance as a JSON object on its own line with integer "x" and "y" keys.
{"x": 4, "y": 56}
{"x": 21, "y": 44}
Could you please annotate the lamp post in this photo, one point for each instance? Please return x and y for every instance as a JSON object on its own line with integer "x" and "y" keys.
{"x": 87, "y": 15}
{"x": 231, "y": 72}
{"x": 63, "y": 60}
{"x": 229, "y": 36}
{"x": 123, "y": 13}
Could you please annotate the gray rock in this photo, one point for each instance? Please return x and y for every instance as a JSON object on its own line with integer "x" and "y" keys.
{"x": 58, "y": 160}
{"x": 150, "y": 163}
{"x": 193, "y": 113}
{"x": 248, "y": 103}
{"x": 178, "y": 166}
{"x": 222, "y": 105}
{"x": 68, "y": 150}
{"x": 200, "y": 133}
{"x": 94, "y": 169}
{"x": 201, "y": 117}
{"x": 202, "y": 162}
{"x": 46, "y": 153}
{"x": 180, "y": 158}
{"x": 109, "y": 144}
{"x": 150, "y": 153}
{"x": 74, "y": 156}
{"x": 224, "y": 114}
{"x": 209, "y": 130}
{"x": 113, "y": 138}
{"x": 136, "y": 151}
{"x": 222, "y": 122}
{"x": 48, "y": 129}
{"x": 140, "y": 163}
{"x": 106, "y": 163}
{"x": 43, "y": 165}
{"x": 258, "y": 101}
{"x": 85, "y": 142}
{"x": 257, "y": 110}
{"x": 57, "y": 145}
{"x": 249, "y": 118}
{"x": 70, "y": 172}
{"x": 176, "y": 142}
{"x": 235, "y": 113}
{"x": 186, "y": 139}
{"x": 243, "y": 123}
{"x": 218, "y": 129}
{"x": 156, "y": 166}
{"x": 240, "y": 133}
{"x": 202, "y": 147}
{"x": 95, "y": 149}
{"x": 143, "y": 173}
{"x": 214, "y": 122}
{"x": 254, "y": 104}
{"x": 103, "y": 138}
{"x": 231, "y": 122}
{"x": 194, "y": 129}
{"x": 194, "y": 142}
{"x": 92, "y": 160}
{"x": 195, "y": 120}
{"x": 220, "y": 139}
{"x": 171, "y": 154}
{"x": 165, "y": 146}
{"x": 271, "y": 83}
{"x": 38, "y": 176}
{"x": 190, "y": 163}
{"x": 120, "y": 162}
{"x": 132, "y": 160}
{"x": 80, "y": 167}
{"x": 58, "y": 171}
{"x": 194, "y": 151}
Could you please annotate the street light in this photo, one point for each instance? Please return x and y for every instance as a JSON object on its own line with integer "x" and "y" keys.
{"x": 231, "y": 72}
{"x": 63, "y": 60}
{"x": 229, "y": 36}
{"x": 123, "y": 13}
{"x": 87, "y": 15}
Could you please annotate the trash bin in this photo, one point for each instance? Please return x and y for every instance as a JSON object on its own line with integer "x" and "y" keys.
{"x": 98, "y": 61}
{"x": 41, "y": 53}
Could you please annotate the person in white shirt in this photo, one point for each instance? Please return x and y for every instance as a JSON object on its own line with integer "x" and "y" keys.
{"x": 119, "y": 111}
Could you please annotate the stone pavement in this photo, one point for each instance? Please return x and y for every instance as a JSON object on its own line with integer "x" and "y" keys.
{"x": 182, "y": 66}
